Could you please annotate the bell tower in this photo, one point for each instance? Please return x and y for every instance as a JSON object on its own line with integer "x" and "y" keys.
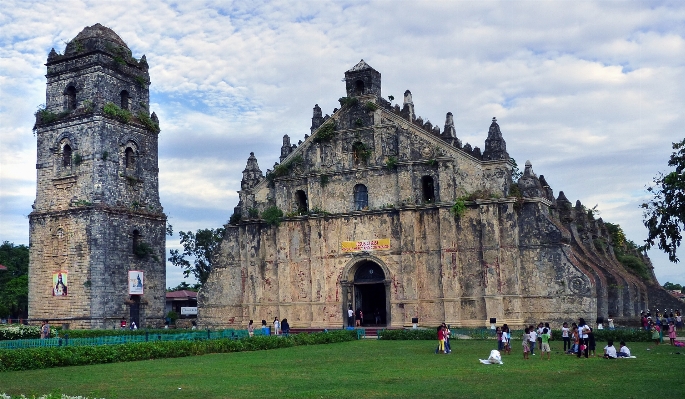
{"x": 362, "y": 80}
{"x": 97, "y": 229}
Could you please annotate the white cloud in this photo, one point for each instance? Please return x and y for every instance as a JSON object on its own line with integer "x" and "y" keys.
{"x": 590, "y": 92}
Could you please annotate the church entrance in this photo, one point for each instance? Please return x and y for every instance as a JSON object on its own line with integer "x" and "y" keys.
{"x": 369, "y": 294}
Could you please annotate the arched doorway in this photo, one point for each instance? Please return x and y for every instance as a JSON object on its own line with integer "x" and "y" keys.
{"x": 370, "y": 294}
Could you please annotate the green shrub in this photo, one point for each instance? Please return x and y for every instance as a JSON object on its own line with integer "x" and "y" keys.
{"x": 404, "y": 335}
{"x": 634, "y": 264}
{"x": 370, "y": 106}
{"x": 44, "y": 116}
{"x": 149, "y": 124}
{"x": 325, "y": 133}
{"x": 622, "y": 334}
{"x": 391, "y": 162}
{"x": 348, "y": 101}
{"x": 112, "y": 110}
{"x": 361, "y": 151}
{"x": 235, "y": 218}
{"x": 39, "y": 358}
{"x": 272, "y": 215}
{"x": 20, "y": 331}
{"x": 142, "y": 250}
{"x": 459, "y": 208}
{"x": 323, "y": 180}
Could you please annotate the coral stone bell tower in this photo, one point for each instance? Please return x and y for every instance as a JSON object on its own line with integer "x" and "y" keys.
{"x": 97, "y": 230}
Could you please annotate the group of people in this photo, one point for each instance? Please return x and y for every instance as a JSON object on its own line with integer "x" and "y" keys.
{"x": 444, "y": 339}
{"x": 356, "y": 319}
{"x": 280, "y": 327}
{"x": 578, "y": 340}
{"x": 662, "y": 323}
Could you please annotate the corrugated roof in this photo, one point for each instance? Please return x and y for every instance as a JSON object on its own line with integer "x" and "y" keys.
{"x": 182, "y": 294}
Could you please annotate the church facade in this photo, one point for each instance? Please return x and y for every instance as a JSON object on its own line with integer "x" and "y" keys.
{"x": 379, "y": 211}
{"x": 97, "y": 229}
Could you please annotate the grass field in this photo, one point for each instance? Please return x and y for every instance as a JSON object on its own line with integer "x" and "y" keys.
{"x": 368, "y": 369}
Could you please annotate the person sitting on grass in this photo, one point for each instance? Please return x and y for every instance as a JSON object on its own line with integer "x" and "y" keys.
{"x": 624, "y": 352}
{"x": 609, "y": 350}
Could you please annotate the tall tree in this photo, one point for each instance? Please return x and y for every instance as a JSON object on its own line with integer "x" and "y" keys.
{"x": 664, "y": 214}
{"x": 14, "y": 282}
{"x": 201, "y": 247}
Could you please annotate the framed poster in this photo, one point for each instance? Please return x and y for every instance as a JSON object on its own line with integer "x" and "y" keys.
{"x": 60, "y": 283}
{"x": 135, "y": 282}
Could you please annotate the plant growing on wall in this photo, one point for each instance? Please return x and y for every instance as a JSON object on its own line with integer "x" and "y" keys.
{"x": 272, "y": 215}
{"x": 370, "y": 106}
{"x": 77, "y": 159}
{"x": 361, "y": 151}
{"x": 43, "y": 116}
{"x": 142, "y": 250}
{"x": 113, "y": 111}
{"x": 348, "y": 101}
{"x": 285, "y": 168}
{"x": 325, "y": 133}
{"x": 149, "y": 124}
{"x": 253, "y": 212}
{"x": 459, "y": 208}
{"x": 391, "y": 162}
{"x": 323, "y": 180}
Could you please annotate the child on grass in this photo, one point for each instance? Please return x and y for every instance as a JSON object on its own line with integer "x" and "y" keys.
{"x": 544, "y": 338}
{"x": 566, "y": 336}
{"x": 533, "y": 339}
{"x": 526, "y": 343}
{"x": 671, "y": 332}
{"x": 609, "y": 350}
{"x": 500, "y": 344}
{"x": 624, "y": 352}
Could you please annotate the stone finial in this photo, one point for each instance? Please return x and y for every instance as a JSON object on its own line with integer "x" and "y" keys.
{"x": 450, "y": 132}
{"x": 495, "y": 146}
{"x": 529, "y": 184}
{"x": 476, "y": 152}
{"x": 428, "y": 126}
{"x": 154, "y": 118}
{"x": 436, "y": 130}
{"x": 566, "y": 214}
{"x": 408, "y": 107}
{"x": 143, "y": 62}
{"x": 53, "y": 54}
{"x": 285, "y": 148}
{"x": 317, "y": 119}
{"x": 252, "y": 174}
{"x": 467, "y": 147}
{"x": 549, "y": 193}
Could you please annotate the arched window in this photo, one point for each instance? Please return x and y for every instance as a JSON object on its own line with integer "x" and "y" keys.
{"x": 66, "y": 155}
{"x": 136, "y": 241}
{"x": 359, "y": 87}
{"x": 129, "y": 158}
{"x": 428, "y": 189}
{"x": 361, "y": 197}
{"x": 301, "y": 200}
{"x": 125, "y": 100}
{"x": 71, "y": 98}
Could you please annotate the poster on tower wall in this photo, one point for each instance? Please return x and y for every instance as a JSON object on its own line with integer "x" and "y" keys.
{"x": 59, "y": 283}
{"x": 135, "y": 282}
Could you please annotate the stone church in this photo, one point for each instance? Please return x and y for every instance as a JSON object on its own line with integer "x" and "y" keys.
{"x": 380, "y": 211}
{"x": 97, "y": 229}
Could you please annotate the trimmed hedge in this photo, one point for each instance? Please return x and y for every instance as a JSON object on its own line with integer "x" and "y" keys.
{"x": 40, "y": 358}
{"x": 118, "y": 332}
{"x": 409, "y": 335}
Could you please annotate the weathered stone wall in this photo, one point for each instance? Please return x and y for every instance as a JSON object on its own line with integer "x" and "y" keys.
{"x": 97, "y": 197}
{"x": 439, "y": 268}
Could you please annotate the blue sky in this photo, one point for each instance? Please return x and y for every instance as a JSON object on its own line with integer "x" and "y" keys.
{"x": 589, "y": 92}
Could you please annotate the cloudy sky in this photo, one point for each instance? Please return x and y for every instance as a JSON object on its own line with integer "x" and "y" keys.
{"x": 590, "y": 92}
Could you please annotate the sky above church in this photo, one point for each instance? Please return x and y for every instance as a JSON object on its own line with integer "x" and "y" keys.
{"x": 590, "y": 92}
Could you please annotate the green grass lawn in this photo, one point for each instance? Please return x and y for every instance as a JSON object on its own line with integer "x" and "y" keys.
{"x": 368, "y": 368}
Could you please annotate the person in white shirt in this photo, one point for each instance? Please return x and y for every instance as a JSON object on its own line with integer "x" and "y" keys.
{"x": 533, "y": 340}
{"x": 277, "y": 325}
{"x": 625, "y": 352}
{"x": 565, "y": 335}
{"x": 609, "y": 350}
{"x": 582, "y": 332}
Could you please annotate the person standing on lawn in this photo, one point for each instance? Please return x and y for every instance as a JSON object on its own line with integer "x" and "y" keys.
{"x": 671, "y": 332}
{"x": 526, "y": 343}
{"x": 566, "y": 336}
{"x": 656, "y": 334}
{"x": 277, "y": 325}
{"x": 446, "y": 333}
{"x": 441, "y": 340}
{"x": 583, "y": 334}
{"x": 350, "y": 317}
{"x": 533, "y": 339}
{"x": 500, "y": 344}
{"x": 250, "y": 328}
{"x": 544, "y": 338}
